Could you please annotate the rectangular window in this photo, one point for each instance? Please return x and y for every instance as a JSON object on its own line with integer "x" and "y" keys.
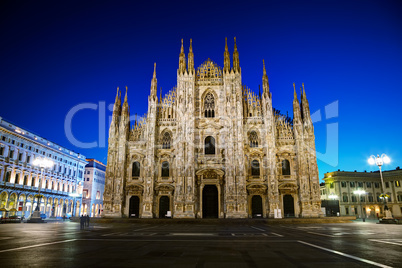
{"x": 11, "y": 154}
{"x": 3, "y": 138}
{"x": 331, "y": 185}
{"x": 28, "y": 159}
{"x": 386, "y": 184}
{"x": 368, "y": 184}
{"x": 1, "y": 151}
{"x": 19, "y": 156}
{"x": 377, "y": 185}
{"x": 345, "y": 198}
{"x": 352, "y": 184}
{"x": 343, "y": 184}
{"x": 347, "y": 211}
{"x": 22, "y": 145}
{"x": 397, "y": 184}
{"x": 360, "y": 184}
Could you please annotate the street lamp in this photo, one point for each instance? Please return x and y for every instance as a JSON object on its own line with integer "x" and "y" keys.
{"x": 42, "y": 163}
{"x": 360, "y": 192}
{"x": 379, "y": 161}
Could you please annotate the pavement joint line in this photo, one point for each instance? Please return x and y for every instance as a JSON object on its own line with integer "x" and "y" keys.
{"x": 111, "y": 234}
{"x": 183, "y": 240}
{"x": 259, "y": 229}
{"x": 322, "y": 234}
{"x": 148, "y": 228}
{"x": 386, "y": 242}
{"x": 6, "y": 237}
{"x": 38, "y": 245}
{"x": 277, "y": 234}
{"x": 346, "y": 255}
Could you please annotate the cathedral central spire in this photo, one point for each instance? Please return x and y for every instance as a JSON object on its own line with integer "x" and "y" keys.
{"x": 154, "y": 83}
{"x": 236, "y": 63}
{"x": 191, "y": 58}
{"x": 226, "y": 56}
{"x": 265, "y": 83}
{"x": 182, "y": 60}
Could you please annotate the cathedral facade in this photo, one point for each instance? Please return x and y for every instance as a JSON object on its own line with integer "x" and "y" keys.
{"x": 211, "y": 148}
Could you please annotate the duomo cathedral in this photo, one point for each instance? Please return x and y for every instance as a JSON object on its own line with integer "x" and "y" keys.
{"x": 211, "y": 148}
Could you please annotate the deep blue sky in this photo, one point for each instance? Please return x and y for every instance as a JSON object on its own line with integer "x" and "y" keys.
{"x": 56, "y": 55}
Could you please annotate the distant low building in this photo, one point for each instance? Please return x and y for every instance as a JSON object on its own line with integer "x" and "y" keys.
{"x": 94, "y": 186}
{"x": 341, "y": 185}
{"x": 19, "y": 178}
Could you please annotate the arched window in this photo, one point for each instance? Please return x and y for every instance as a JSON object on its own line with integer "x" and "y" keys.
{"x": 136, "y": 169}
{"x": 255, "y": 168}
{"x": 17, "y": 178}
{"x": 166, "y": 140}
{"x": 253, "y": 139}
{"x": 209, "y": 145}
{"x": 285, "y": 167}
{"x": 165, "y": 169}
{"x": 26, "y": 180}
{"x": 8, "y": 175}
{"x": 209, "y": 105}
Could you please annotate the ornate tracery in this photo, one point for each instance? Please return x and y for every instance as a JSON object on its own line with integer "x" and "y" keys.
{"x": 209, "y": 105}
{"x": 253, "y": 137}
{"x": 166, "y": 140}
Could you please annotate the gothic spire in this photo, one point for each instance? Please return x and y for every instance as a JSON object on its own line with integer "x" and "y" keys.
{"x": 191, "y": 58}
{"x": 154, "y": 83}
{"x": 265, "y": 83}
{"x": 160, "y": 95}
{"x": 125, "y": 105}
{"x": 297, "y": 118}
{"x": 226, "y": 56}
{"x": 117, "y": 103}
{"x": 236, "y": 63}
{"x": 182, "y": 60}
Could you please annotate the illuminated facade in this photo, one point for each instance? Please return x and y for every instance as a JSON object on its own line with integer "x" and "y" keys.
{"x": 19, "y": 179}
{"x": 342, "y": 185}
{"x": 94, "y": 185}
{"x": 211, "y": 147}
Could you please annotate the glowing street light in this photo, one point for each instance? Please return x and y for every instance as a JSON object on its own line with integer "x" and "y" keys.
{"x": 333, "y": 196}
{"x": 379, "y": 161}
{"x": 42, "y": 163}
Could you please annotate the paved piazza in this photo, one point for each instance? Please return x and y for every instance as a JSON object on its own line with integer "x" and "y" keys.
{"x": 136, "y": 243}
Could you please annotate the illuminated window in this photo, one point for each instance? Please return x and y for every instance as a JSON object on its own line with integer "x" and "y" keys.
{"x": 285, "y": 167}
{"x": 352, "y": 184}
{"x": 136, "y": 169}
{"x": 209, "y": 145}
{"x": 97, "y": 195}
{"x": 343, "y": 184}
{"x": 165, "y": 169}
{"x": 255, "y": 168}
{"x": 397, "y": 184}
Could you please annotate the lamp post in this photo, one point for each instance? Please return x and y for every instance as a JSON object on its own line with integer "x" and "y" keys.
{"x": 360, "y": 192}
{"x": 379, "y": 161}
{"x": 42, "y": 163}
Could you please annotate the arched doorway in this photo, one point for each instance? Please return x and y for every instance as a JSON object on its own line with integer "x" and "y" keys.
{"x": 134, "y": 207}
{"x": 164, "y": 206}
{"x": 256, "y": 206}
{"x": 210, "y": 202}
{"x": 288, "y": 206}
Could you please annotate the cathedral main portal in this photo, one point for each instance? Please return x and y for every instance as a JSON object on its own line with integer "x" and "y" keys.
{"x": 210, "y": 202}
